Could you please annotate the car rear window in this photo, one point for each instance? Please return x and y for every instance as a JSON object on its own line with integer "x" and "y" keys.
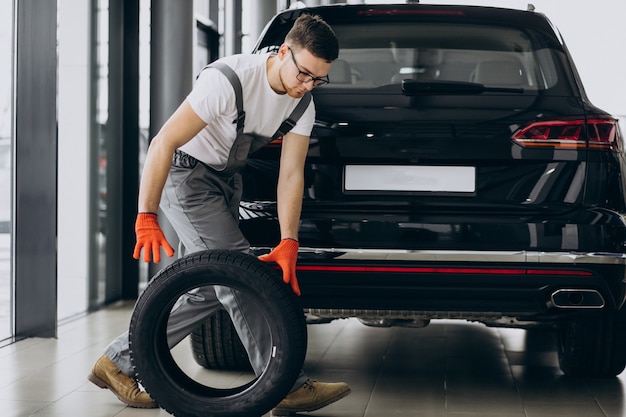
{"x": 386, "y": 53}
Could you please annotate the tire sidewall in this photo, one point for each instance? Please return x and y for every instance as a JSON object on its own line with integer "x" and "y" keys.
{"x": 593, "y": 346}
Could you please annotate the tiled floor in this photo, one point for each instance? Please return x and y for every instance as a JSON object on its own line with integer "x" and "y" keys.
{"x": 450, "y": 368}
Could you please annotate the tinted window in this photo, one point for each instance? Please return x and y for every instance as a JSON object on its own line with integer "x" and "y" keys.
{"x": 387, "y": 53}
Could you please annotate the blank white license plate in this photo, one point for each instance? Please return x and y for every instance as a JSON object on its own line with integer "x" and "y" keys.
{"x": 459, "y": 179}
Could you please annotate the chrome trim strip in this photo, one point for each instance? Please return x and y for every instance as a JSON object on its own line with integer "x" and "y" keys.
{"x": 613, "y": 258}
{"x": 344, "y": 313}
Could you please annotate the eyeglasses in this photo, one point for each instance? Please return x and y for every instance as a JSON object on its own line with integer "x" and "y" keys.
{"x": 305, "y": 77}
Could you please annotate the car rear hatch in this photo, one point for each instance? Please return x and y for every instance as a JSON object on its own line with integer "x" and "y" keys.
{"x": 436, "y": 110}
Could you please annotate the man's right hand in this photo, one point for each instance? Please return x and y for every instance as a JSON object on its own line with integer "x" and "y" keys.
{"x": 150, "y": 237}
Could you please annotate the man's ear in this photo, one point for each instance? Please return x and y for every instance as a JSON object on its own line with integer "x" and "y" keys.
{"x": 283, "y": 50}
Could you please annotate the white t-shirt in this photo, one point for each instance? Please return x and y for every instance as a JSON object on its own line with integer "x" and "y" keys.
{"x": 213, "y": 100}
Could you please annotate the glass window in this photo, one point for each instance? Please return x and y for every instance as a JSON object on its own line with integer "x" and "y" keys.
{"x": 489, "y": 55}
{"x": 144, "y": 105}
{"x": 6, "y": 167}
{"x": 98, "y": 142}
{"x": 373, "y": 55}
{"x": 73, "y": 111}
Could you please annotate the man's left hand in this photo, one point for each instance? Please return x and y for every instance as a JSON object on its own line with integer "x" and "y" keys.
{"x": 285, "y": 255}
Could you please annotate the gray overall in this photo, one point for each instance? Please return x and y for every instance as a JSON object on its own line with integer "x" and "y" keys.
{"x": 202, "y": 204}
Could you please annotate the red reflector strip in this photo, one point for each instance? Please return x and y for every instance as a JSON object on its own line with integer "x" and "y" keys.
{"x": 440, "y": 270}
{"x": 557, "y": 272}
{"x": 372, "y": 12}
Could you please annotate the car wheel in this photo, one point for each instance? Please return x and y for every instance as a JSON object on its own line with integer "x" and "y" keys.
{"x": 216, "y": 345}
{"x": 188, "y": 392}
{"x": 593, "y": 346}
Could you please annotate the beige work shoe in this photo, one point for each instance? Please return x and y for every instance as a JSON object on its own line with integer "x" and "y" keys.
{"x": 312, "y": 395}
{"x": 108, "y": 376}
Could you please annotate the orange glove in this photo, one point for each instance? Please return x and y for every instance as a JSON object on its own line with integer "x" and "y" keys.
{"x": 150, "y": 237}
{"x": 285, "y": 255}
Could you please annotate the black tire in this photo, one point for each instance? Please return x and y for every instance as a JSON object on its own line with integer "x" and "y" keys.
{"x": 216, "y": 345}
{"x": 593, "y": 346}
{"x": 168, "y": 384}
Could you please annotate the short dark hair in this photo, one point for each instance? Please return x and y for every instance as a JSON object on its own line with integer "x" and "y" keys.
{"x": 312, "y": 33}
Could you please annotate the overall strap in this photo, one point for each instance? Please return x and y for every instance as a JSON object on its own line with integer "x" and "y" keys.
{"x": 234, "y": 80}
{"x": 285, "y": 127}
{"x": 295, "y": 115}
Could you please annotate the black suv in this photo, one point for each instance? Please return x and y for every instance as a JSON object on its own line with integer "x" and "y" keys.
{"x": 456, "y": 170}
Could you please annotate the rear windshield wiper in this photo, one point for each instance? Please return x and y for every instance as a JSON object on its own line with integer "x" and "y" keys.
{"x": 414, "y": 87}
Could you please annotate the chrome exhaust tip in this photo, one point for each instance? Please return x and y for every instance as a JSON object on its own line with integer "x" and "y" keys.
{"x": 577, "y": 298}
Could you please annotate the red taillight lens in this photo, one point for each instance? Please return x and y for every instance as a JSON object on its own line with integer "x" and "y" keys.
{"x": 602, "y": 133}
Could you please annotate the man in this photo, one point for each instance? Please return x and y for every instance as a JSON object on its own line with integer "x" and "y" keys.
{"x": 191, "y": 172}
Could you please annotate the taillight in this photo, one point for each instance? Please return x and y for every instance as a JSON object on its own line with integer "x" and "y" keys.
{"x": 601, "y": 133}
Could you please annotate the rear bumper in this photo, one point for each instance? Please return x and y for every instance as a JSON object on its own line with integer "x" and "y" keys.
{"x": 481, "y": 285}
